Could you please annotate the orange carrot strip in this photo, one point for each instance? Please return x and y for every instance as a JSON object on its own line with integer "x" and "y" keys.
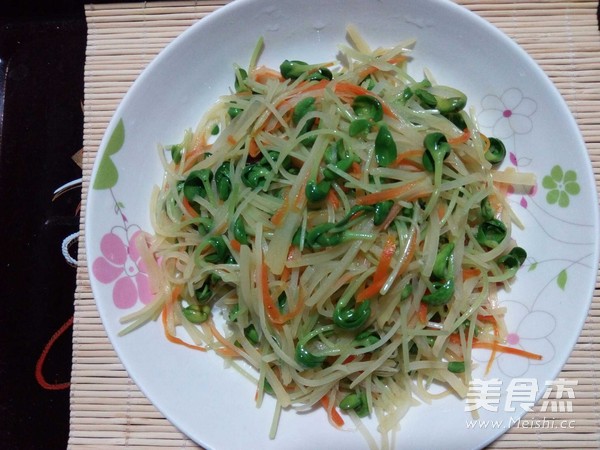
{"x": 371, "y": 70}
{"x": 188, "y": 208}
{"x": 470, "y": 273}
{"x": 494, "y": 346}
{"x": 294, "y": 312}
{"x": 349, "y": 88}
{"x": 355, "y": 170}
{"x": 408, "y": 155}
{"x": 271, "y": 307}
{"x": 165, "y": 311}
{"x": 219, "y": 337}
{"x": 464, "y": 137}
{"x": 253, "y": 149}
{"x": 333, "y": 414}
{"x": 422, "y": 312}
{"x": 231, "y": 140}
{"x": 235, "y": 244}
{"x": 486, "y": 318}
{"x": 381, "y": 272}
{"x": 394, "y": 211}
{"x": 333, "y": 199}
{"x": 262, "y": 74}
{"x": 387, "y": 194}
{"x": 506, "y": 349}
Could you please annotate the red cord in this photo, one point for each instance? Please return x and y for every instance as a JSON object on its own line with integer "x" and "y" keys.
{"x": 39, "y": 376}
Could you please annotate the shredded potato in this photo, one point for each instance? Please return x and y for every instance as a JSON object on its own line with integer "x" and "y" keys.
{"x": 350, "y": 224}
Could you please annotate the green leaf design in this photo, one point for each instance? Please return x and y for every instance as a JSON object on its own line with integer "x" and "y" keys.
{"x": 572, "y": 188}
{"x": 107, "y": 175}
{"x": 552, "y": 196}
{"x": 561, "y": 280}
{"x": 557, "y": 173}
{"x": 563, "y": 199}
{"x": 548, "y": 182}
{"x": 570, "y": 175}
{"x": 533, "y": 266}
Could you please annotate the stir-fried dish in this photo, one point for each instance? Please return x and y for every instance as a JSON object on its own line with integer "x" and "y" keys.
{"x": 342, "y": 229}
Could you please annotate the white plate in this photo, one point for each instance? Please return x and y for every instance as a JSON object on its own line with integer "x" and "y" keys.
{"x": 515, "y": 100}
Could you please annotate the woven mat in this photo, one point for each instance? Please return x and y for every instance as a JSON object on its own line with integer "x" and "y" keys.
{"x": 107, "y": 408}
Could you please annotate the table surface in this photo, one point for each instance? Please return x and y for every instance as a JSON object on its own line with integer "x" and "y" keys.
{"x": 42, "y": 57}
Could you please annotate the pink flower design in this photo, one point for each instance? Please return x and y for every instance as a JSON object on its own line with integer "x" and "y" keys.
{"x": 508, "y": 114}
{"x": 122, "y": 264}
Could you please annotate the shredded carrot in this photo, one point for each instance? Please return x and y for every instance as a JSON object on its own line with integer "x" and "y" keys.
{"x": 262, "y": 74}
{"x": 394, "y": 210}
{"x": 349, "y": 359}
{"x": 461, "y": 139}
{"x": 271, "y": 307}
{"x": 371, "y": 70}
{"x": 494, "y": 346}
{"x": 387, "y": 194}
{"x": 165, "y": 311}
{"x": 470, "y": 273}
{"x": 349, "y": 88}
{"x": 278, "y": 216}
{"x": 192, "y": 157}
{"x": 486, "y": 318}
{"x": 409, "y": 252}
{"x": 381, "y": 272}
{"x": 355, "y": 170}
{"x": 333, "y": 414}
{"x": 333, "y": 199}
{"x": 505, "y": 349}
{"x": 441, "y": 211}
{"x": 294, "y": 312}
{"x": 309, "y": 86}
{"x": 407, "y": 158}
{"x": 269, "y": 303}
{"x": 188, "y": 208}
{"x": 228, "y": 346}
{"x": 231, "y": 140}
{"x": 423, "y": 312}
{"x": 300, "y": 197}
{"x": 253, "y": 149}
{"x": 235, "y": 244}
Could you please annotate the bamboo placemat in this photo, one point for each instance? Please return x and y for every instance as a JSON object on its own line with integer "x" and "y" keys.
{"x": 107, "y": 408}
